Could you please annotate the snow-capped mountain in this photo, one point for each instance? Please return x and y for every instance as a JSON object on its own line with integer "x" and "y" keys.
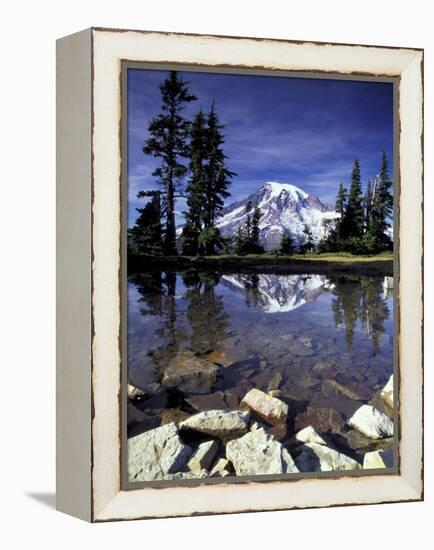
{"x": 279, "y": 294}
{"x": 285, "y": 208}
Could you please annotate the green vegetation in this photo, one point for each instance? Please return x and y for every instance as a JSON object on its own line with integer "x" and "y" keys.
{"x": 247, "y": 239}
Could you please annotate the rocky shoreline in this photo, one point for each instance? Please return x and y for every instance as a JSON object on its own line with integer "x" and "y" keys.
{"x": 263, "y": 432}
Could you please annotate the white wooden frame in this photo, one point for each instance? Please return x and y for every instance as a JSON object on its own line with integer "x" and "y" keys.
{"x": 88, "y": 264}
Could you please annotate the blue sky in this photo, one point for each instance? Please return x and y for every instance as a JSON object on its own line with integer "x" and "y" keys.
{"x": 302, "y": 131}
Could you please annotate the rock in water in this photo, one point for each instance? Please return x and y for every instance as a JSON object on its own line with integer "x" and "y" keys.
{"x": 223, "y": 424}
{"x": 269, "y": 408}
{"x": 156, "y": 453}
{"x": 378, "y": 459}
{"x": 313, "y": 457}
{"x": 228, "y": 356}
{"x": 387, "y": 392}
{"x": 190, "y": 373}
{"x": 371, "y": 422}
{"x": 203, "y": 457}
{"x": 309, "y": 435}
{"x": 258, "y": 453}
{"x": 321, "y": 419}
{"x": 197, "y": 474}
{"x": 135, "y": 393}
{"x": 330, "y": 388}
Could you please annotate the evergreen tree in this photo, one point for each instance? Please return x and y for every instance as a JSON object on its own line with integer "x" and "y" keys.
{"x": 286, "y": 246}
{"x": 308, "y": 245}
{"x": 382, "y": 208}
{"x": 368, "y": 205}
{"x": 254, "y": 246}
{"x": 240, "y": 242}
{"x": 340, "y": 207}
{"x": 196, "y": 186}
{"x": 354, "y": 215}
{"x": 145, "y": 236}
{"x": 169, "y": 132}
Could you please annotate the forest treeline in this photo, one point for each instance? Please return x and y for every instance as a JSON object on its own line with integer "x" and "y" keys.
{"x": 193, "y": 165}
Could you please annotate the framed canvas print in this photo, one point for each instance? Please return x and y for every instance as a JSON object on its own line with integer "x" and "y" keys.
{"x": 239, "y": 274}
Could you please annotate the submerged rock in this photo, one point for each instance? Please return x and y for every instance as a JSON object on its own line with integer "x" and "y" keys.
{"x": 331, "y": 388}
{"x": 190, "y": 373}
{"x": 228, "y": 356}
{"x": 315, "y": 457}
{"x": 258, "y": 453}
{"x": 322, "y": 420}
{"x": 208, "y": 401}
{"x": 269, "y": 408}
{"x": 309, "y": 435}
{"x": 222, "y": 424}
{"x": 275, "y": 381}
{"x": 173, "y": 415}
{"x": 135, "y": 393}
{"x": 203, "y": 456}
{"x": 371, "y": 422}
{"x": 387, "y": 392}
{"x": 378, "y": 459}
{"x": 154, "y": 454}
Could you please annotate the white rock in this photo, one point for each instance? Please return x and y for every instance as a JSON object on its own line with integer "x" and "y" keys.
{"x": 221, "y": 468}
{"x": 387, "y": 392}
{"x": 313, "y": 457}
{"x": 203, "y": 457}
{"x": 309, "y": 435}
{"x": 269, "y": 408}
{"x": 378, "y": 459}
{"x": 371, "y": 422}
{"x": 218, "y": 423}
{"x": 198, "y": 474}
{"x": 258, "y": 453}
{"x": 135, "y": 393}
{"x": 156, "y": 453}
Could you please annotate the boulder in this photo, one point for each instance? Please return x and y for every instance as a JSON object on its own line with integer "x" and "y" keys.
{"x": 371, "y": 422}
{"x": 271, "y": 409}
{"x": 190, "y": 373}
{"x": 387, "y": 392}
{"x": 258, "y": 453}
{"x": 315, "y": 457}
{"x": 378, "y": 459}
{"x": 222, "y": 424}
{"x": 154, "y": 454}
{"x": 203, "y": 456}
{"x": 275, "y": 381}
{"x": 222, "y": 468}
{"x": 309, "y": 435}
{"x": 331, "y": 389}
{"x": 173, "y": 415}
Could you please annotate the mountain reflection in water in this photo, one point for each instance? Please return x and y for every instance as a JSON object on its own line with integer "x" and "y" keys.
{"x": 349, "y": 317}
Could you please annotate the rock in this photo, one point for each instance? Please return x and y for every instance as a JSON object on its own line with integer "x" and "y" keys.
{"x": 207, "y": 402}
{"x": 387, "y": 392}
{"x": 378, "y": 459}
{"x": 197, "y": 474}
{"x": 371, "y": 422}
{"x": 298, "y": 347}
{"x": 274, "y": 382}
{"x": 189, "y": 373}
{"x": 321, "y": 419}
{"x": 155, "y": 453}
{"x": 232, "y": 400}
{"x": 314, "y": 457}
{"x": 203, "y": 456}
{"x": 324, "y": 370}
{"x": 309, "y": 435}
{"x": 173, "y": 415}
{"x": 275, "y": 393}
{"x": 228, "y": 356}
{"x": 258, "y": 453}
{"x": 331, "y": 388}
{"x": 378, "y": 402}
{"x": 269, "y": 408}
{"x": 135, "y": 393}
{"x": 221, "y": 468}
{"x": 222, "y": 424}
{"x": 362, "y": 444}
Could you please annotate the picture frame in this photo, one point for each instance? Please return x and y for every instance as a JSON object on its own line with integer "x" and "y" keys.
{"x": 91, "y": 266}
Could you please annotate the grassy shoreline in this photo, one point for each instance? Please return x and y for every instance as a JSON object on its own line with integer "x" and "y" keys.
{"x": 379, "y": 264}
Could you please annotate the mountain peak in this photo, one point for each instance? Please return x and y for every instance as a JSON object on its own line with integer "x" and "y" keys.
{"x": 276, "y": 189}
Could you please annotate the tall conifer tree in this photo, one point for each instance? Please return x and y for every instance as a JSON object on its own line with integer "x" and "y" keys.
{"x": 168, "y": 140}
{"x": 354, "y": 216}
